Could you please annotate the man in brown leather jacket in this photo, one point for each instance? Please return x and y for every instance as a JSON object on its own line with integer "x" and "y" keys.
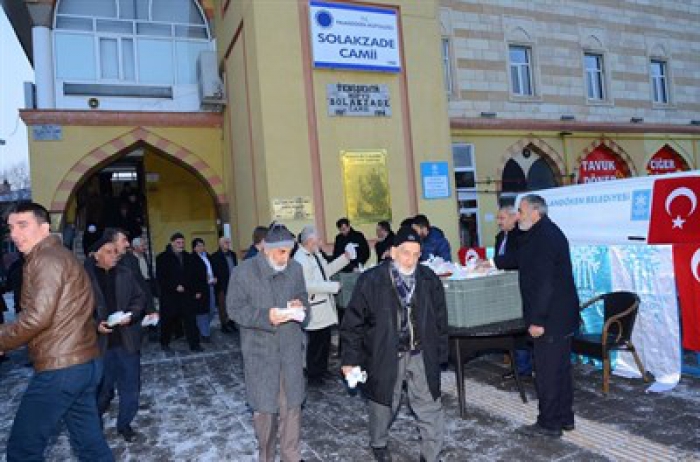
{"x": 57, "y": 322}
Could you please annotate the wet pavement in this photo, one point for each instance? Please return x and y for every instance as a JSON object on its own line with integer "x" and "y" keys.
{"x": 193, "y": 409}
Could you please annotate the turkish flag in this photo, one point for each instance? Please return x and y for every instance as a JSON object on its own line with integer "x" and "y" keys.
{"x": 686, "y": 263}
{"x": 675, "y": 211}
{"x": 467, "y": 253}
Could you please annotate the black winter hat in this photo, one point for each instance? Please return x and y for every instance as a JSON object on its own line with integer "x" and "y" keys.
{"x": 406, "y": 234}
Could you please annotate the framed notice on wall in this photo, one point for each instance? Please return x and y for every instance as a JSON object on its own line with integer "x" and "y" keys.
{"x": 366, "y": 186}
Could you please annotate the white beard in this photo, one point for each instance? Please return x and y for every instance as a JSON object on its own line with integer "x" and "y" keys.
{"x": 275, "y": 267}
{"x": 404, "y": 271}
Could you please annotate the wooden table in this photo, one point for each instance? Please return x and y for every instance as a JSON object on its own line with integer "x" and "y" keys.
{"x": 465, "y": 342}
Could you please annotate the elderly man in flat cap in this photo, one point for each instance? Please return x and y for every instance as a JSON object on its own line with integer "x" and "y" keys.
{"x": 395, "y": 329}
{"x": 267, "y": 299}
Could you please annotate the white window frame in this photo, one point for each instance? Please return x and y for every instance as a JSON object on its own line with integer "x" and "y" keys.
{"x": 663, "y": 80}
{"x": 134, "y": 36}
{"x": 467, "y": 193}
{"x": 595, "y": 77}
{"x": 517, "y": 69}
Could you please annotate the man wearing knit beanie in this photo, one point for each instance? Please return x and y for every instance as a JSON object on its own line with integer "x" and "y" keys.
{"x": 267, "y": 299}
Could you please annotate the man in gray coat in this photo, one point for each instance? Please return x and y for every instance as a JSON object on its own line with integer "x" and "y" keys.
{"x": 260, "y": 291}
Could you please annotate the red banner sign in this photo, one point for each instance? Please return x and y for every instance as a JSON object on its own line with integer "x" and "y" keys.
{"x": 602, "y": 165}
{"x": 666, "y": 160}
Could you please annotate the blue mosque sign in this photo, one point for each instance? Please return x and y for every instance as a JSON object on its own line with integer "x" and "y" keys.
{"x": 354, "y": 37}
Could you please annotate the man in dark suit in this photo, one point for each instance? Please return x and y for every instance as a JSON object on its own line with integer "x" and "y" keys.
{"x": 223, "y": 261}
{"x": 348, "y": 235}
{"x": 507, "y": 238}
{"x": 551, "y": 310}
{"x": 505, "y": 257}
{"x": 174, "y": 274}
{"x": 116, "y": 289}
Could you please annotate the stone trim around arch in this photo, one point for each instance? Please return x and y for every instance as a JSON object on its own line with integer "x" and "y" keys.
{"x": 110, "y": 149}
{"x": 679, "y": 150}
{"x": 614, "y": 147}
{"x": 551, "y": 155}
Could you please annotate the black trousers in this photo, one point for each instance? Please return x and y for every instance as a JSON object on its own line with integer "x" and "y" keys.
{"x": 317, "y": 352}
{"x": 170, "y": 322}
{"x": 555, "y": 389}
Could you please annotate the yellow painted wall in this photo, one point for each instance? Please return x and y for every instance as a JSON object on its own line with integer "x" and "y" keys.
{"x": 269, "y": 115}
{"x": 50, "y": 161}
{"x": 178, "y": 201}
{"x": 491, "y": 146}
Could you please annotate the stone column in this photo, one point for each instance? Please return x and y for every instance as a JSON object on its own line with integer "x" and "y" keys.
{"x": 41, "y": 13}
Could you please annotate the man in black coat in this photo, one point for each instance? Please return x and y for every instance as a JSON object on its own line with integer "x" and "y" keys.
{"x": 175, "y": 280}
{"x": 348, "y": 235}
{"x": 223, "y": 261}
{"x": 385, "y": 240}
{"x": 551, "y": 310}
{"x": 128, "y": 260}
{"x": 506, "y": 246}
{"x": 395, "y": 329}
{"x": 506, "y": 258}
{"x": 115, "y": 290}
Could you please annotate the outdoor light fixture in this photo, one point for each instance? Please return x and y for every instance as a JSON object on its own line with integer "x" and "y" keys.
{"x": 637, "y": 120}
{"x": 94, "y": 103}
{"x": 489, "y": 115}
{"x": 568, "y": 117}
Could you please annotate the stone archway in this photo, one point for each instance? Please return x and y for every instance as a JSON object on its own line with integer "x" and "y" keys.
{"x": 547, "y": 152}
{"x": 105, "y": 153}
{"x": 614, "y": 147}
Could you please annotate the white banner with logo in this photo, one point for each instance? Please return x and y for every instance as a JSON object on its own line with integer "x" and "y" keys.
{"x": 345, "y": 36}
{"x": 610, "y": 212}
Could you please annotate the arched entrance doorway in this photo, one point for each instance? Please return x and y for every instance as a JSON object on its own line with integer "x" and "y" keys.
{"x": 528, "y": 169}
{"x": 604, "y": 160}
{"x": 142, "y": 182}
{"x": 666, "y": 160}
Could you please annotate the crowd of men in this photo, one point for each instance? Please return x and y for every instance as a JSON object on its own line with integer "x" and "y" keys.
{"x": 84, "y": 324}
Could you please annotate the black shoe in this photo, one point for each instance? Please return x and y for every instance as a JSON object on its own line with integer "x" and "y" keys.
{"x": 537, "y": 430}
{"x": 232, "y": 326}
{"x": 315, "y": 382}
{"x": 568, "y": 427}
{"x": 128, "y": 434}
{"x": 197, "y": 349}
{"x": 166, "y": 348}
{"x": 206, "y": 339}
{"x": 381, "y": 454}
{"x": 226, "y": 329}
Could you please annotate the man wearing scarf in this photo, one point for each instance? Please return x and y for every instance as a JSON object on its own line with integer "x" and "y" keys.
{"x": 395, "y": 329}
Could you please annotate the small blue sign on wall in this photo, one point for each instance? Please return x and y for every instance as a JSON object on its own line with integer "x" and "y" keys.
{"x": 435, "y": 177}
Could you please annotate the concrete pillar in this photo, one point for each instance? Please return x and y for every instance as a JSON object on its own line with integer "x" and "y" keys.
{"x": 41, "y": 13}
{"x": 43, "y": 67}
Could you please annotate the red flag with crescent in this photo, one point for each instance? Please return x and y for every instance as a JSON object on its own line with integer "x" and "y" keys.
{"x": 675, "y": 211}
{"x": 686, "y": 264}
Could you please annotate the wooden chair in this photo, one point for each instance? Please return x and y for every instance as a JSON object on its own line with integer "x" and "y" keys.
{"x": 620, "y": 312}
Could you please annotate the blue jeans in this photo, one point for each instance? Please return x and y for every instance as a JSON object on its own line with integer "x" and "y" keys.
{"x": 123, "y": 370}
{"x": 204, "y": 320}
{"x": 523, "y": 361}
{"x": 67, "y": 395}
